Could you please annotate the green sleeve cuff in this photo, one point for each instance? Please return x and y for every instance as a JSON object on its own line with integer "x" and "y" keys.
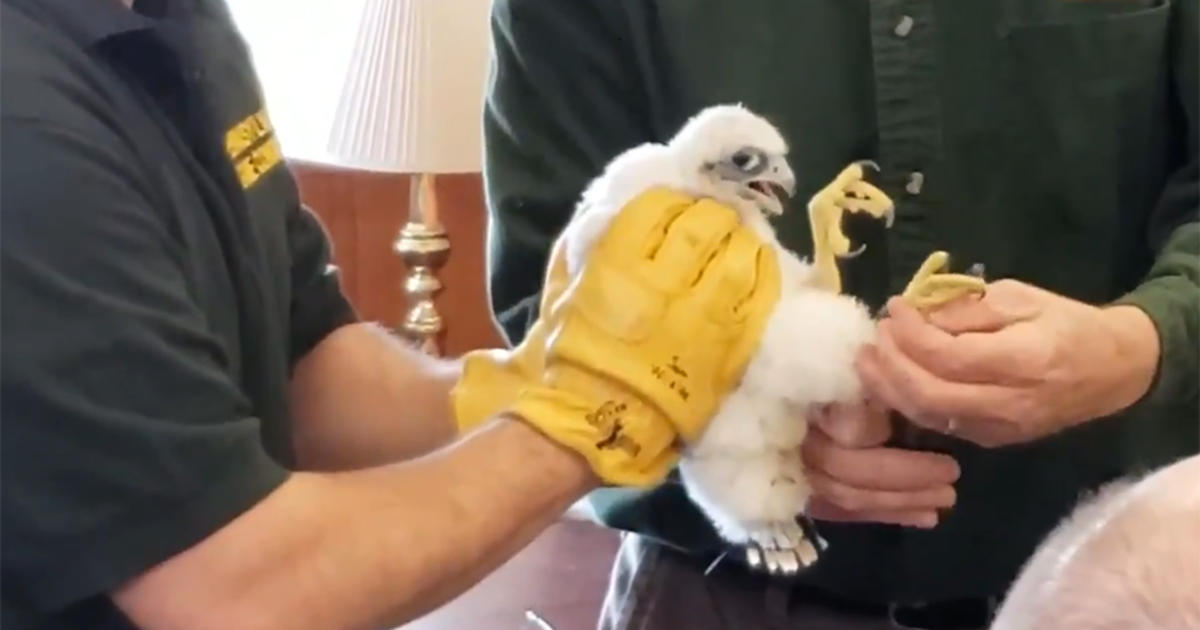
{"x": 1170, "y": 296}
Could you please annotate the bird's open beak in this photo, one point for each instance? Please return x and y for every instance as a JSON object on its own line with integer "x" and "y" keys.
{"x": 774, "y": 187}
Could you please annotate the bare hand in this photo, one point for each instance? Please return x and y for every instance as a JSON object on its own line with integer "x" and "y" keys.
{"x": 855, "y": 478}
{"x": 1015, "y": 365}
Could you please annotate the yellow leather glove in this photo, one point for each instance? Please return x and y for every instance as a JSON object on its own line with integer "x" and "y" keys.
{"x": 492, "y": 378}
{"x": 634, "y": 356}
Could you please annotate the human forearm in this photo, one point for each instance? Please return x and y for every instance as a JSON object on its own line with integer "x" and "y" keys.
{"x": 1139, "y": 346}
{"x": 1168, "y": 293}
{"x": 367, "y": 549}
{"x": 1168, "y": 297}
{"x": 363, "y": 398}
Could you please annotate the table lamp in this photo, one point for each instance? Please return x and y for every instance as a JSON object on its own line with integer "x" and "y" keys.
{"x": 412, "y": 103}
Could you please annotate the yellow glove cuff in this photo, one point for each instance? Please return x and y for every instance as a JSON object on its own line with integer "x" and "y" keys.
{"x": 492, "y": 379}
{"x": 623, "y": 439}
{"x": 489, "y": 384}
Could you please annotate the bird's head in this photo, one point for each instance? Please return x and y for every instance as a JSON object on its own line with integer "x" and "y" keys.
{"x": 737, "y": 153}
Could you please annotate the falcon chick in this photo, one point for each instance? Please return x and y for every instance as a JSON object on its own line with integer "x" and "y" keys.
{"x": 745, "y": 471}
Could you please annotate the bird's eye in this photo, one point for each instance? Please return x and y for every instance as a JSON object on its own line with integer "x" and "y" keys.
{"x": 748, "y": 160}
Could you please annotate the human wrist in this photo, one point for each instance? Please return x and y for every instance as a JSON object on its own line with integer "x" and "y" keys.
{"x": 556, "y": 458}
{"x": 1137, "y": 350}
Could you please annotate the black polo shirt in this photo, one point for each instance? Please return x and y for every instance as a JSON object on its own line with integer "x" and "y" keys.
{"x": 160, "y": 279}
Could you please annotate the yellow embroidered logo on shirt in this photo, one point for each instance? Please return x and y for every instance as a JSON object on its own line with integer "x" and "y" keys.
{"x": 252, "y": 146}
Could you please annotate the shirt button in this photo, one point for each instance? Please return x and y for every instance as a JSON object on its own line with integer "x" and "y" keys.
{"x": 916, "y": 180}
{"x": 903, "y": 27}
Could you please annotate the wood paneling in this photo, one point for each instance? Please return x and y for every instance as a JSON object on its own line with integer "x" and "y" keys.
{"x": 364, "y": 212}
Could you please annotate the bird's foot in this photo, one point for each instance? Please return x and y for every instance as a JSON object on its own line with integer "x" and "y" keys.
{"x": 932, "y": 287}
{"x": 850, "y": 191}
{"x": 783, "y": 547}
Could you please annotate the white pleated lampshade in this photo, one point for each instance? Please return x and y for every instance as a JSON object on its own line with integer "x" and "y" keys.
{"x": 413, "y": 97}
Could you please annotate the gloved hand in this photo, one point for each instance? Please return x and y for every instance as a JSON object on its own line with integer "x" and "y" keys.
{"x": 634, "y": 356}
{"x": 492, "y": 378}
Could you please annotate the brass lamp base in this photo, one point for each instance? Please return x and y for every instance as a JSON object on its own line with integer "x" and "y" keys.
{"x": 424, "y": 247}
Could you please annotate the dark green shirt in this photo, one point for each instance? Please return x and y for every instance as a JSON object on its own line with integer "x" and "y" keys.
{"x": 1055, "y": 141}
{"x": 160, "y": 278}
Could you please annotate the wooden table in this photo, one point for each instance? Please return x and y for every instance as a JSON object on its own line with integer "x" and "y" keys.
{"x": 562, "y": 576}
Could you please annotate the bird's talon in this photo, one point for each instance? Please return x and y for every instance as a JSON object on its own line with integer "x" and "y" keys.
{"x": 855, "y": 253}
{"x": 868, "y": 170}
{"x": 850, "y": 191}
